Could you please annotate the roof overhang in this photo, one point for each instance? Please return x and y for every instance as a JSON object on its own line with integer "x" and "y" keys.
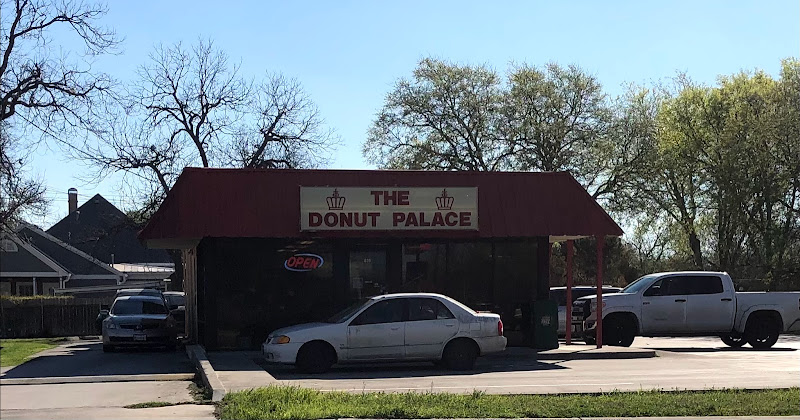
{"x": 268, "y": 203}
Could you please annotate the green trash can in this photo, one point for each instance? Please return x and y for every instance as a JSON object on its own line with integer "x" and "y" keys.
{"x": 545, "y": 325}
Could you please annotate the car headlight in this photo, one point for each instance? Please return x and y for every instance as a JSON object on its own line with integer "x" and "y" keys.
{"x": 594, "y": 305}
{"x": 111, "y": 326}
{"x": 281, "y": 339}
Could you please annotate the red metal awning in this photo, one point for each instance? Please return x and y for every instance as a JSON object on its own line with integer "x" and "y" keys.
{"x": 265, "y": 203}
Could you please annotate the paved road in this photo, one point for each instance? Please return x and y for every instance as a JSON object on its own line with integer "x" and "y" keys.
{"x": 690, "y": 363}
{"x": 200, "y": 412}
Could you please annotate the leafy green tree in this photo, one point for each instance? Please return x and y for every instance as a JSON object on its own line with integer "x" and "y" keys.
{"x": 446, "y": 117}
{"x": 461, "y": 117}
{"x": 559, "y": 119}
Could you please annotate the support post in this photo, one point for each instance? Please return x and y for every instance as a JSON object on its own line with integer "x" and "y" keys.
{"x": 570, "y": 252}
{"x": 542, "y": 288}
{"x": 599, "y": 327}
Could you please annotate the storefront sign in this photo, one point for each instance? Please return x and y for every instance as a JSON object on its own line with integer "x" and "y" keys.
{"x": 388, "y": 208}
{"x": 303, "y": 262}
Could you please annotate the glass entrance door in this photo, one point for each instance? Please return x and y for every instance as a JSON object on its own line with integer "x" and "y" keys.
{"x": 368, "y": 272}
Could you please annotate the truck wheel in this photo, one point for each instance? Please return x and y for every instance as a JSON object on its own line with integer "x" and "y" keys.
{"x": 619, "y": 331}
{"x": 315, "y": 357}
{"x": 734, "y": 341}
{"x": 762, "y": 331}
{"x": 460, "y": 354}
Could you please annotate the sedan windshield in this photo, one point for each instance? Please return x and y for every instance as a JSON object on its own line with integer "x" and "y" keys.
{"x": 138, "y": 307}
{"x": 346, "y": 313}
{"x": 637, "y": 285}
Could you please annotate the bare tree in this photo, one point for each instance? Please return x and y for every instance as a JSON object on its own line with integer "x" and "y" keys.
{"x": 191, "y": 107}
{"x": 45, "y": 92}
{"x": 129, "y": 144}
{"x": 286, "y": 131}
{"x": 191, "y": 95}
{"x": 17, "y": 192}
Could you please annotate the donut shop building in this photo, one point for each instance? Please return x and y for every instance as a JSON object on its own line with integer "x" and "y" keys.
{"x": 268, "y": 248}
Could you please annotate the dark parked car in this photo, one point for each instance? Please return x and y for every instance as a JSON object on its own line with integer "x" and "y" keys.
{"x": 139, "y": 321}
{"x": 176, "y": 301}
{"x": 98, "y": 321}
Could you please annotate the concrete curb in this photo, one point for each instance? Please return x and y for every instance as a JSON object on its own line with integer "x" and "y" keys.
{"x": 102, "y": 378}
{"x": 198, "y": 356}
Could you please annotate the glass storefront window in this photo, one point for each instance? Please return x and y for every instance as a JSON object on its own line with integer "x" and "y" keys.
{"x": 469, "y": 273}
{"x": 424, "y": 268}
{"x": 247, "y": 291}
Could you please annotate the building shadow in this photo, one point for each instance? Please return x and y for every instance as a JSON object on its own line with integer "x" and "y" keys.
{"x": 88, "y": 359}
{"x": 404, "y": 370}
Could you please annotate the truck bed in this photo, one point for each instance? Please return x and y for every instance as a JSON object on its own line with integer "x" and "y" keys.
{"x": 787, "y": 302}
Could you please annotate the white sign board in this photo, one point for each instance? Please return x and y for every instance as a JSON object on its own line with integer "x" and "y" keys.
{"x": 388, "y": 208}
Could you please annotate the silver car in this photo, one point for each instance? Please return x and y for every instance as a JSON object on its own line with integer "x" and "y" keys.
{"x": 139, "y": 321}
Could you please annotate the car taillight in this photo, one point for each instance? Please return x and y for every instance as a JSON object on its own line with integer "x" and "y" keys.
{"x": 500, "y": 327}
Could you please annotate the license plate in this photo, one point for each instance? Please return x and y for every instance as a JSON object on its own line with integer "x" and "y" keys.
{"x": 139, "y": 337}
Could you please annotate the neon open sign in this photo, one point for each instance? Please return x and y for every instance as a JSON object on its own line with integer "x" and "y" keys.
{"x": 303, "y": 262}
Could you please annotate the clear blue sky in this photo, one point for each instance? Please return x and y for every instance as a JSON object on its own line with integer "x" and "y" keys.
{"x": 348, "y": 54}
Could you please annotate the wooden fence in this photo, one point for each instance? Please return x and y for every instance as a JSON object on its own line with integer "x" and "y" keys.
{"x": 49, "y": 317}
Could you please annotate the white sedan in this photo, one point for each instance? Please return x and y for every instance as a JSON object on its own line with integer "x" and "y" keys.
{"x": 403, "y": 326}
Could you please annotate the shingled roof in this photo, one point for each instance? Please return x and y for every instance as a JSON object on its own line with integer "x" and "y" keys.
{"x": 101, "y": 230}
{"x": 73, "y": 260}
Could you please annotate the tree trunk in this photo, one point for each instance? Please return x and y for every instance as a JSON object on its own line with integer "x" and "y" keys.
{"x": 694, "y": 243}
{"x": 176, "y": 278}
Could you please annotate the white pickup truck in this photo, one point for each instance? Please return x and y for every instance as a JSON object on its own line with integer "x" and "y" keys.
{"x": 690, "y": 303}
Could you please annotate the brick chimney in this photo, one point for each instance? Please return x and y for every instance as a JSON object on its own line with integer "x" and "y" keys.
{"x": 72, "y": 199}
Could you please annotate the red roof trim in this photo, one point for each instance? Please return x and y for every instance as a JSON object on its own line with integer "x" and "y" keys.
{"x": 223, "y": 202}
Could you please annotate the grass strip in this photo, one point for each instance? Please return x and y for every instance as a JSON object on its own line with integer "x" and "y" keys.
{"x": 281, "y": 402}
{"x": 16, "y": 351}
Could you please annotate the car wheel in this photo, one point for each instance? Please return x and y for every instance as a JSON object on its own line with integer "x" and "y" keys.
{"x": 734, "y": 341}
{"x": 589, "y": 339}
{"x": 762, "y": 331}
{"x": 315, "y": 357}
{"x": 619, "y": 331}
{"x": 460, "y": 354}
{"x": 108, "y": 348}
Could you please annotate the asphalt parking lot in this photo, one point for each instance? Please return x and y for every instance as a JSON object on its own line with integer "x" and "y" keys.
{"x": 86, "y": 358}
{"x": 682, "y": 363}
{"x": 78, "y": 380}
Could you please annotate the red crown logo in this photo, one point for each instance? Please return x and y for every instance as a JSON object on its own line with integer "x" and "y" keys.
{"x": 335, "y": 202}
{"x": 444, "y": 202}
